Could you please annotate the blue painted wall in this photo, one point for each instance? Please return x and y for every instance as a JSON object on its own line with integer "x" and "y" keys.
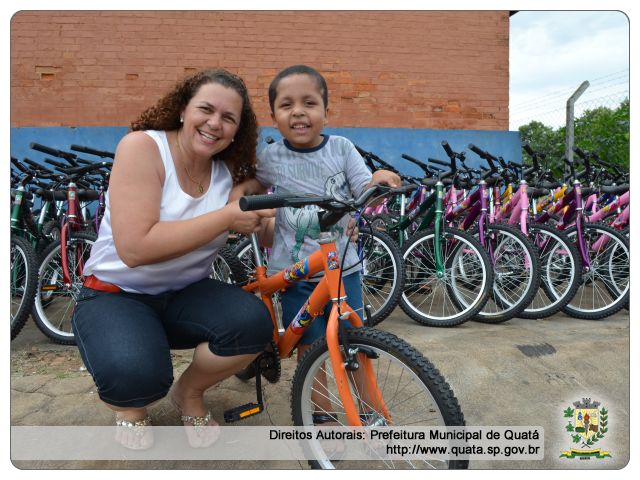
{"x": 387, "y": 143}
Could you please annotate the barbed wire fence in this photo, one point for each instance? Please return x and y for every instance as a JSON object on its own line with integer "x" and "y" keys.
{"x": 551, "y": 109}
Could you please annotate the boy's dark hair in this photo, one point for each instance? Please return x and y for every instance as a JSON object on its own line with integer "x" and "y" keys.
{"x": 299, "y": 70}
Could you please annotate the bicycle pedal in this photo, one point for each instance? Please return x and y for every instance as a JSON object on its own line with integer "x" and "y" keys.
{"x": 242, "y": 412}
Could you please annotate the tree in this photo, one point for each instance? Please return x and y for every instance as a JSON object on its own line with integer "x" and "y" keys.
{"x": 601, "y": 130}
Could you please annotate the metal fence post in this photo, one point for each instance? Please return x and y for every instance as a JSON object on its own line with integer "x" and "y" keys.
{"x": 568, "y": 152}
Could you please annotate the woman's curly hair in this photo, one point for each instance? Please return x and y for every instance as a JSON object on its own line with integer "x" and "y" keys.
{"x": 165, "y": 115}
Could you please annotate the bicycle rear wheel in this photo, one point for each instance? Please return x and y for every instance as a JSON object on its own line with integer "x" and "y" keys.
{"x": 559, "y": 271}
{"x": 382, "y": 273}
{"x": 55, "y": 301}
{"x": 227, "y": 268}
{"x": 516, "y": 269}
{"x": 413, "y": 390}
{"x": 23, "y": 280}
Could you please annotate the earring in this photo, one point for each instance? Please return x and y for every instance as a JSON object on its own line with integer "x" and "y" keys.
{"x": 233, "y": 139}
{"x": 181, "y": 120}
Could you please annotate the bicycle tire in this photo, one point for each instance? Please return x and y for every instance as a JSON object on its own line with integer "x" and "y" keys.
{"x": 54, "y": 302}
{"x": 243, "y": 250}
{"x": 516, "y": 281}
{"x": 227, "y": 268}
{"x": 599, "y": 307}
{"x": 50, "y": 233}
{"x": 23, "y": 282}
{"x": 423, "y": 287}
{"x": 560, "y": 272}
{"x": 428, "y": 400}
{"x": 382, "y": 274}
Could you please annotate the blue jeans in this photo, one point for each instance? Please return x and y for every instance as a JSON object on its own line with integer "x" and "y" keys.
{"x": 296, "y": 295}
{"x": 124, "y": 338}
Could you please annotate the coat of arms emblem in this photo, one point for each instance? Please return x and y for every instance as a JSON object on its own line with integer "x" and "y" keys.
{"x": 587, "y": 425}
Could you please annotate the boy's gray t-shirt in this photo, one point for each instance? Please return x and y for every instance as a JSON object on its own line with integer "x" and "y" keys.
{"x": 332, "y": 168}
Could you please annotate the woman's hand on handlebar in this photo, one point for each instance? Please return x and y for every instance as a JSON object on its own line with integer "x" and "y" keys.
{"x": 247, "y": 222}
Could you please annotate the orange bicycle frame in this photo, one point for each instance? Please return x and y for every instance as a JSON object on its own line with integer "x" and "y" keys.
{"x": 329, "y": 288}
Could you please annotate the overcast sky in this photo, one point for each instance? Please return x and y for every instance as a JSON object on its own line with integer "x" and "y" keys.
{"x": 552, "y": 53}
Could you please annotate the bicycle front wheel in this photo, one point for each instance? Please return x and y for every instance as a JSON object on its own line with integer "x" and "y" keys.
{"x": 413, "y": 390}
{"x": 55, "y": 301}
{"x": 456, "y": 295}
{"x": 23, "y": 279}
{"x": 604, "y": 289}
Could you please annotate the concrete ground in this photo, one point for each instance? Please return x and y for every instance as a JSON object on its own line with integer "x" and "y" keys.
{"x": 522, "y": 372}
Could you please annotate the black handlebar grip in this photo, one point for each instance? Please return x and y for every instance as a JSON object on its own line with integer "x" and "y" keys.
{"x": 476, "y": 150}
{"x": 439, "y": 162}
{"x": 35, "y": 165}
{"x": 88, "y": 168}
{"x": 259, "y": 202}
{"x": 18, "y": 165}
{"x": 528, "y": 171}
{"x": 362, "y": 152}
{"x": 411, "y": 159}
{"x": 527, "y": 148}
{"x": 447, "y": 148}
{"x": 92, "y": 151}
{"x": 44, "y": 149}
{"x": 55, "y": 164}
{"x": 579, "y": 152}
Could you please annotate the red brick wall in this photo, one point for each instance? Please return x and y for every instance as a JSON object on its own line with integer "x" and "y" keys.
{"x": 444, "y": 70}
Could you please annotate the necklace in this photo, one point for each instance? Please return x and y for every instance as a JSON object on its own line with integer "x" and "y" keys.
{"x": 197, "y": 182}
{"x": 200, "y": 186}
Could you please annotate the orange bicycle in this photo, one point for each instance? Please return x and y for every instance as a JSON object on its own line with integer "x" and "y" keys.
{"x": 355, "y": 375}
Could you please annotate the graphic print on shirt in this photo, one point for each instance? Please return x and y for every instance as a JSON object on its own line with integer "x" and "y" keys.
{"x": 304, "y": 221}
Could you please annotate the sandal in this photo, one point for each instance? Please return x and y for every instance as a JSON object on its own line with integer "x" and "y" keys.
{"x": 200, "y": 432}
{"x": 136, "y": 435}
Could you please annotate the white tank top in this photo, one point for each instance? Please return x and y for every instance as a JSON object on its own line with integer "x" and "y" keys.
{"x": 179, "y": 272}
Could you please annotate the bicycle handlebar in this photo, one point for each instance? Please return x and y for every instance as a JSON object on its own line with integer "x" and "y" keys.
{"x": 69, "y": 157}
{"x": 296, "y": 200}
{"x": 92, "y": 151}
{"x": 527, "y": 148}
{"x": 439, "y": 162}
{"x": 447, "y": 148}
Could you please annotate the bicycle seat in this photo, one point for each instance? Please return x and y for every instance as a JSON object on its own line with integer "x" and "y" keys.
{"x": 615, "y": 189}
{"x": 431, "y": 182}
{"x": 52, "y": 195}
{"x": 536, "y": 192}
{"x": 88, "y": 195}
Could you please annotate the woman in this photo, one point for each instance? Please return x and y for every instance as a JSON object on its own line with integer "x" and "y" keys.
{"x": 147, "y": 288}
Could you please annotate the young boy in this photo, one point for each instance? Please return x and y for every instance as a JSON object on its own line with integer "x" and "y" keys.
{"x": 308, "y": 161}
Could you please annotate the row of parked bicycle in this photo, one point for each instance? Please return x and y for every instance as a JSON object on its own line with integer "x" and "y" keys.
{"x": 494, "y": 242}
{"x": 55, "y": 216}
{"x": 460, "y": 243}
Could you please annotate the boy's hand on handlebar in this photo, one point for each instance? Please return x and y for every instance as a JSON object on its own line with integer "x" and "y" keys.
{"x": 385, "y": 177}
{"x": 247, "y": 222}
